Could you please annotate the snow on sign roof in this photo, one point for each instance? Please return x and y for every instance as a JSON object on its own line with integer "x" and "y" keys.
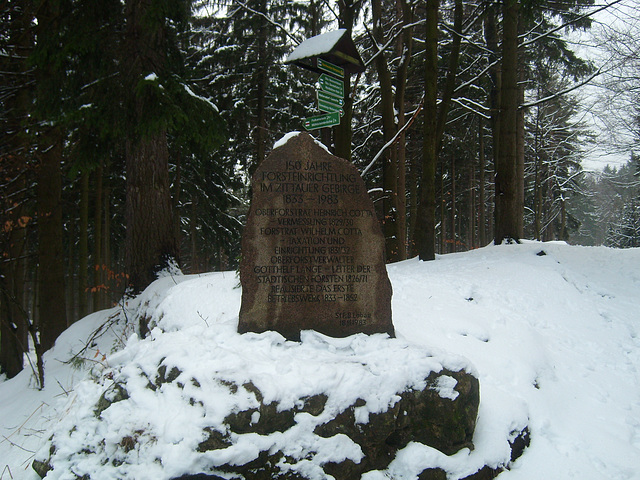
{"x": 335, "y": 46}
{"x": 314, "y": 46}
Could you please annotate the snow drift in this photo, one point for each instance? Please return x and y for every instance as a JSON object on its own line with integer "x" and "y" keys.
{"x": 551, "y": 331}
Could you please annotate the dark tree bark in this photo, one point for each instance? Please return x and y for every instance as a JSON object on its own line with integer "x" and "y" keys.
{"x": 507, "y": 214}
{"x": 452, "y": 71}
{"x": 404, "y": 50}
{"x": 454, "y": 233}
{"x": 390, "y": 158}
{"x": 98, "y": 260}
{"x": 51, "y": 279}
{"x": 471, "y": 212}
{"x": 83, "y": 247}
{"x": 13, "y": 345}
{"x": 51, "y": 282}
{"x": 393, "y": 119}
{"x": 15, "y": 76}
{"x": 435, "y": 120}
{"x": 482, "y": 227}
{"x": 151, "y": 238}
{"x": 495, "y": 80}
{"x": 261, "y": 79}
{"x": 13, "y": 319}
{"x": 426, "y": 213}
{"x": 342, "y": 133}
{"x": 520, "y": 157}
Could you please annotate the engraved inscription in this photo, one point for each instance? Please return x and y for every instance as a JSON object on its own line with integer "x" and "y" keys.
{"x": 313, "y": 265}
{"x": 313, "y": 255}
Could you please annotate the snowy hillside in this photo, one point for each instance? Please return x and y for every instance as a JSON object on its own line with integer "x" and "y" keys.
{"x": 550, "y": 330}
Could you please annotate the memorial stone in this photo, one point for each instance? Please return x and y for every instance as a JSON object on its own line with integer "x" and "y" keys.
{"x": 312, "y": 248}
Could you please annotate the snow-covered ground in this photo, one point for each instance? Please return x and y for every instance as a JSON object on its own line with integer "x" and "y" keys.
{"x": 551, "y": 330}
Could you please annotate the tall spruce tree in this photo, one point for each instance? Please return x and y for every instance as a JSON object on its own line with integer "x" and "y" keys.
{"x": 536, "y": 20}
{"x": 393, "y": 84}
{"x": 507, "y": 222}
{"x": 147, "y": 55}
{"x": 159, "y": 102}
{"x": 50, "y": 73}
{"x": 435, "y": 117}
{"x": 16, "y": 43}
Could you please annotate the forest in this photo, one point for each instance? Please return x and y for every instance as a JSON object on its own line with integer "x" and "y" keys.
{"x": 130, "y": 130}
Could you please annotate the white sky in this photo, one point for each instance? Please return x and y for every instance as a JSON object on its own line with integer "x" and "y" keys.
{"x": 613, "y": 142}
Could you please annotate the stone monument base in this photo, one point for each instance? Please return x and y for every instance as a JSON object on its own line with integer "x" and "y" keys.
{"x": 319, "y": 408}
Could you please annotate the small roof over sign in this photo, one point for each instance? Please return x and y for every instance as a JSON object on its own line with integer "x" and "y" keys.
{"x": 335, "y": 47}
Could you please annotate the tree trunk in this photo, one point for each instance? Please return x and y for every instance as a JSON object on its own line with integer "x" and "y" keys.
{"x": 193, "y": 228}
{"x": 452, "y": 70}
{"x": 51, "y": 281}
{"x": 506, "y": 181}
{"x": 98, "y": 260}
{"x": 434, "y": 127}
{"x": 520, "y": 158}
{"x": 106, "y": 244}
{"x": 482, "y": 227}
{"x": 342, "y": 133}
{"x": 452, "y": 248}
{"x": 441, "y": 246}
{"x": 413, "y": 206}
{"x": 495, "y": 81}
{"x": 426, "y": 213}
{"x": 262, "y": 80}
{"x": 16, "y": 102}
{"x": 563, "y": 220}
{"x": 83, "y": 247}
{"x": 471, "y": 208}
{"x": 404, "y": 49}
{"x": 151, "y": 240}
{"x": 13, "y": 319}
{"x": 390, "y": 157}
{"x": 537, "y": 205}
{"x": 12, "y": 345}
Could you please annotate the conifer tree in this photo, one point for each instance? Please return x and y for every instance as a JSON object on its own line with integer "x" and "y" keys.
{"x": 158, "y": 101}
{"x": 16, "y": 42}
{"x": 49, "y": 74}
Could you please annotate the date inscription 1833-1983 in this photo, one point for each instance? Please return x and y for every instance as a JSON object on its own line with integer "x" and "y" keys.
{"x": 312, "y": 248}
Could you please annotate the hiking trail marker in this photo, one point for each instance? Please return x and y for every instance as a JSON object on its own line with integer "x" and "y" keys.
{"x": 321, "y": 121}
{"x": 333, "y": 55}
{"x": 330, "y": 68}
{"x": 331, "y": 85}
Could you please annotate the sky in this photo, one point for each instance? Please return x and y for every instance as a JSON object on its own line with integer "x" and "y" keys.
{"x": 601, "y": 109}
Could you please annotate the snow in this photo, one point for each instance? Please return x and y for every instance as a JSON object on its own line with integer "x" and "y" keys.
{"x": 285, "y": 139}
{"x": 290, "y": 135}
{"x": 203, "y": 99}
{"x": 317, "y": 45}
{"x": 551, "y": 331}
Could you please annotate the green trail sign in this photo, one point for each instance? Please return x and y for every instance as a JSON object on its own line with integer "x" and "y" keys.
{"x": 322, "y": 121}
{"x": 328, "y": 102}
{"x": 331, "y": 85}
{"x": 330, "y": 68}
